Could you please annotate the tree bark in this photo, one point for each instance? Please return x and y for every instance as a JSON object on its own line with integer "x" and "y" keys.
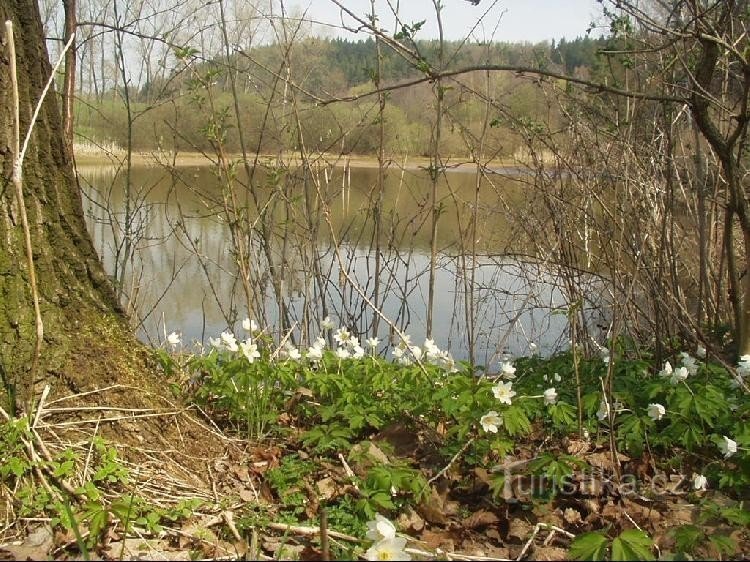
{"x": 69, "y": 86}
{"x": 86, "y": 342}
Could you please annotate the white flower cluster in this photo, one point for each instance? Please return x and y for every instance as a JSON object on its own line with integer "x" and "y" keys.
{"x": 504, "y": 393}
{"x": 228, "y": 342}
{"x": 405, "y": 353}
{"x": 689, "y": 363}
{"x": 174, "y": 339}
{"x": 315, "y": 351}
{"x": 675, "y": 376}
{"x": 688, "y": 368}
{"x": 387, "y": 546}
{"x": 289, "y": 352}
{"x": 348, "y": 345}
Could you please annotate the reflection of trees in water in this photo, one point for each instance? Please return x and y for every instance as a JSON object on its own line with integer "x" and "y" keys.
{"x": 186, "y": 247}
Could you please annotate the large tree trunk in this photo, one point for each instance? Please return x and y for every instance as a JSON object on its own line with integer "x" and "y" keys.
{"x": 85, "y": 340}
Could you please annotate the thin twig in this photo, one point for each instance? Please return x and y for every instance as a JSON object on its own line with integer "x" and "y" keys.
{"x": 40, "y": 406}
{"x": 535, "y": 532}
{"x": 309, "y": 531}
{"x": 118, "y": 418}
{"x": 98, "y": 409}
{"x": 349, "y": 472}
{"x": 17, "y": 178}
{"x": 447, "y": 467}
{"x": 324, "y": 548}
{"x": 229, "y": 520}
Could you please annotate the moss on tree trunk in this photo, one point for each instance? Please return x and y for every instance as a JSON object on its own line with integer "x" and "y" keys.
{"x": 86, "y": 340}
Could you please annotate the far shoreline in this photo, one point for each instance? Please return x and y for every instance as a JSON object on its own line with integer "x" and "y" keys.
{"x": 88, "y": 159}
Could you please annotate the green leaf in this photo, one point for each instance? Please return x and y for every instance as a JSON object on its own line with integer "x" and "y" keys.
{"x": 736, "y": 516}
{"x": 632, "y": 545}
{"x": 17, "y": 466}
{"x": 563, "y": 414}
{"x": 723, "y": 544}
{"x": 64, "y": 469}
{"x": 97, "y": 524}
{"x": 688, "y": 537}
{"x": 516, "y": 421}
{"x": 589, "y": 546}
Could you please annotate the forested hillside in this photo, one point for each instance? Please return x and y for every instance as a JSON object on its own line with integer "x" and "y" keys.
{"x": 319, "y": 70}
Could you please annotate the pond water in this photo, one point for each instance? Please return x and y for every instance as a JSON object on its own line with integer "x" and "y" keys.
{"x": 180, "y": 269}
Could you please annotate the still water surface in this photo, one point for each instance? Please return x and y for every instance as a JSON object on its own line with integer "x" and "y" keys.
{"x": 182, "y": 273}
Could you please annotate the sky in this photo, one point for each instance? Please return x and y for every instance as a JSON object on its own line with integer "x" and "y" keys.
{"x": 507, "y": 20}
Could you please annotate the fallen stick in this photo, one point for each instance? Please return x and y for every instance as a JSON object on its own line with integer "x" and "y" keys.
{"x": 309, "y": 531}
{"x": 537, "y": 528}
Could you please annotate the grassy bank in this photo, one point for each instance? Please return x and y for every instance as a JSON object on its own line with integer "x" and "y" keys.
{"x": 350, "y": 448}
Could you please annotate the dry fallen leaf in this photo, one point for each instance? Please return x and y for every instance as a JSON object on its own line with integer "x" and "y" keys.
{"x": 36, "y": 546}
{"x": 479, "y": 519}
{"x": 577, "y": 446}
{"x": 327, "y": 488}
{"x": 438, "y": 539}
{"x": 410, "y": 520}
{"x": 550, "y": 553}
{"x": 572, "y": 516}
{"x": 520, "y": 529}
{"x": 241, "y": 472}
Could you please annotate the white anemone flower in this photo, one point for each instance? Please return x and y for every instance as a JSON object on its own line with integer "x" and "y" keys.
{"x": 447, "y": 362}
{"x": 314, "y": 353}
{"x": 431, "y": 349}
{"x": 491, "y": 421}
{"x": 229, "y": 341}
{"x": 372, "y": 343}
{"x": 173, "y": 339}
{"x": 508, "y": 371}
{"x": 416, "y": 352}
{"x": 532, "y": 348}
{"x": 343, "y": 353}
{"x": 689, "y": 363}
{"x": 728, "y": 447}
{"x": 666, "y": 372}
{"x": 290, "y": 352}
{"x": 388, "y": 549}
{"x": 327, "y": 323}
{"x": 215, "y": 342}
{"x": 678, "y": 375}
{"x": 342, "y": 336}
{"x": 557, "y": 377}
{"x": 358, "y": 352}
{"x": 249, "y": 325}
{"x": 249, "y": 350}
{"x": 550, "y": 396}
{"x": 656, "y": 411}
{"x": 700, "y": 352}
{"x": 700, "y": 482}
{"x": 380, "y": 528}
{"x": 503, "y": 392}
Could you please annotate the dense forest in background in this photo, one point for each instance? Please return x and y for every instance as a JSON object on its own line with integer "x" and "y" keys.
{"x": 163, "y": 111}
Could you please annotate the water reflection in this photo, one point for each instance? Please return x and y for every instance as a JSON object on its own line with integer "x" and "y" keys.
{"x": 183, "y": 274}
